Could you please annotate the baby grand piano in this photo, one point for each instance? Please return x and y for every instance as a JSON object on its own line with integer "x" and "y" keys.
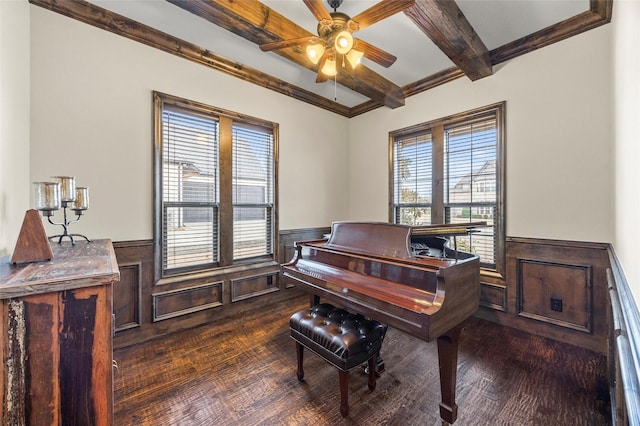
{"x": 405, "y": 277}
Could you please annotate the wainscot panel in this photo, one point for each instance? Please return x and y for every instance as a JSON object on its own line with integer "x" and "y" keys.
{"x": 244, "y": 288}
{"x": 144, "y": 309}
{"x": 127, "y": 300}
{"x": 493, "y": 296}
{"x": 135, "y": 260}
{"x": 553, "y": 288}
{"x": 555, "y": 293}
{"x": 174, "y": 303}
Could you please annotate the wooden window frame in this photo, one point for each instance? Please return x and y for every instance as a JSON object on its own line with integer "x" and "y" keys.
{"x": 225, "y": 209}
{"x": 437, "y": 130}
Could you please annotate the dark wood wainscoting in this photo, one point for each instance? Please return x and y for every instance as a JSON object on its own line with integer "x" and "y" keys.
{"x": 135, "y": 260}
{"x": 288, "y": 239}
{"x": 556, "y": 289}
{"x": 144, "y": 309}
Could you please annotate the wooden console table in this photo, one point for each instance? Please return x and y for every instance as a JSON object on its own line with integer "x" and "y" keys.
{"x": 56, "y": 337}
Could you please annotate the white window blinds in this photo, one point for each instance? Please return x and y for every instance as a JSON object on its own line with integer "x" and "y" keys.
{"x": 412, "y": 176}
{"x": 253, "y": 181}
{"x": 470, "y": 183}
{"x": 189, "y": 190}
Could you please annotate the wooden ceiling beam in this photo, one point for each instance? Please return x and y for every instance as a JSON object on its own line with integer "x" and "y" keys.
{"x": 259, "y": 24}
{"x": 445, "y": 24}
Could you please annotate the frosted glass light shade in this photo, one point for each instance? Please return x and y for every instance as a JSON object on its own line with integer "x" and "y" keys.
{"x": 354, "y": 57}
{"x": 329, "y": 68}
{"x": 315, "y": 52}
{"x": 343, "y": 42}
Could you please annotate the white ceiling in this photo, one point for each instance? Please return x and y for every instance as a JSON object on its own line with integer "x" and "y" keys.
{"x": 497, "y": 22}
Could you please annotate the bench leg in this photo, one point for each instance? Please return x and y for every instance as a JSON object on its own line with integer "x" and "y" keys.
{"x": 299, "y": 355}
{"x": 372, "y": 373}
{"x": 344, "y": 393}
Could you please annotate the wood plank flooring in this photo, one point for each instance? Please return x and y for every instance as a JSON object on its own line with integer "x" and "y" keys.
{"x": 242, "y": 372}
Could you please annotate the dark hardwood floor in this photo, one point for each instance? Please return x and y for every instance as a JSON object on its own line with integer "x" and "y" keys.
{"x": 242, "y": 372}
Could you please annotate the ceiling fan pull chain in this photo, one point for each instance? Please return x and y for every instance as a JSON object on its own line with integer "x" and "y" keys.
{"x": 335, "y": 87}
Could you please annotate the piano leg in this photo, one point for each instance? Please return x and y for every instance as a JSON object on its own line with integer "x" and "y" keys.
{"x": 448, "y": 362}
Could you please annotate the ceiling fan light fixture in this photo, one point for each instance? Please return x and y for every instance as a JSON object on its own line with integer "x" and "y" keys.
{"x": 354, "y": 57}
{"x": 315, "y": 52}
{"x": 343, "y": 42}
{"x": 329, "y": 68}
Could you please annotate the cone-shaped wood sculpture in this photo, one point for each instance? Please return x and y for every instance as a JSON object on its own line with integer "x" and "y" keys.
{"x": 33, "y": 244}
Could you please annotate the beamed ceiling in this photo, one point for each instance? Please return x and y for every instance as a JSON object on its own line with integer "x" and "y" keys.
{"x": 435, "y": 41}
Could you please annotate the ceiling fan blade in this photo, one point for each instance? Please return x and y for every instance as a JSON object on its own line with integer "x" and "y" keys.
{"x": 381, "y": 10}
{"x": 374, "y": 53}
{"x": 317, "y": 8}
{"x": 266, "y": 47}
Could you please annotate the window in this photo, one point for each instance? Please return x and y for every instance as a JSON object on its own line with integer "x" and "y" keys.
{"x": 215, "y": 186}
{"x": 413, "y": 170}
{"x": 452, "y": 171}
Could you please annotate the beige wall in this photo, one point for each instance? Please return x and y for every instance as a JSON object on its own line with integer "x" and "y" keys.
{"x": 14, "y": 121}
{"x": 558, "y": 141}
{"x": 91, "y": 117}
{"x": 626, "y": 87}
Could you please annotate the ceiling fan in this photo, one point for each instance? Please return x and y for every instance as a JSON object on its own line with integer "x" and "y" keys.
{"x": 335, "y": 39}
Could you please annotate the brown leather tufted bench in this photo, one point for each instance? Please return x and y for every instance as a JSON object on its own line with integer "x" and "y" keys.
{"x": 341, "y": 338}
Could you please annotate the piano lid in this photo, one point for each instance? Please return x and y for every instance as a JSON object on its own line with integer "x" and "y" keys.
{"x": 389, "y": 239}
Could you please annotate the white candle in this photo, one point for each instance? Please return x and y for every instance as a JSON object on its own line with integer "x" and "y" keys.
{"x": 46, "y": 195}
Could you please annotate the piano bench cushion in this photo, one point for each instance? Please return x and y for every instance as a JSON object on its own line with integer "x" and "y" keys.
{"x": 344, "y": 339}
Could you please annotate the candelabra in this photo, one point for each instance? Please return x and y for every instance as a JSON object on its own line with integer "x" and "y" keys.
{"x": 51, "y": 196}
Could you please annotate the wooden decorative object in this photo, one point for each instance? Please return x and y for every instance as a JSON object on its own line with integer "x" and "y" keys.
{"x": 56, "y": 333}
{"x": 33, "y": 244}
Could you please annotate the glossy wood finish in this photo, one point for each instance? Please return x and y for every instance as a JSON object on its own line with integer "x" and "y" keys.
{"x": 242, "y": 371}
{"x": 57, "y": 337}
{"x": 599, "y": 14}
{"x": 368, "y": 269}
{"x": 423, "y": 297}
